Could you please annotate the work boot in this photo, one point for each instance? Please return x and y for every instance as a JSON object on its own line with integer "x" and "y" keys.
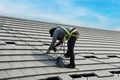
{"x": 66, "y": 55}
{"x": 70, "y": 65}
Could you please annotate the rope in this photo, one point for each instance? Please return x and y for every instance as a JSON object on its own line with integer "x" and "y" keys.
{"x": 63, "y": 50}
{"x": 62, "y": 45}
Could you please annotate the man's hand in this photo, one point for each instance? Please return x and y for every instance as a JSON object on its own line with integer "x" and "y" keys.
{"x": 54, "y": 49}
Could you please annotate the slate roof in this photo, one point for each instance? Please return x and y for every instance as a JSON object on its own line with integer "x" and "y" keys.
{"x": 23, "y": 43}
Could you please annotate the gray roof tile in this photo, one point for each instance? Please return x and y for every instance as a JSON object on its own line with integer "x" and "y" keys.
{"x": 52, "y": 70}
{"x": 28, "y": 71}
{"x": 103, "y": 73}
{"x": 101, "y": 56}
{"x": 95, "y": 52}
{"x": 17, "y": 58}
{"x": 28, "y": 64}
{"x": 65, "y": 77}
{"x": 82, "y": 78}
{"x": 4, "y": 66}
{"x": 16, "y": 65}
{"x": 39, "y": 77}
{"x": 40, "y": 70}
{"x": 14, "y": 79}
{"x": 5, "y": 58}
{"x": 96, "y": 67}
{"x": 3, "y": 75}
{"x": 14, "y": 73}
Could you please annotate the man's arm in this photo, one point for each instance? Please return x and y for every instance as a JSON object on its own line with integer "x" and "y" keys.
{"x": 59, "y": 43}
{"x": 54, "y": 39}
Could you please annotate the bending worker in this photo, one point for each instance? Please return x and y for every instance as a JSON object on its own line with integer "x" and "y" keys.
{"x": 62, "y": 34}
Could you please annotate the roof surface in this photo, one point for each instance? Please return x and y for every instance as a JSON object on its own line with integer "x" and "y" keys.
{"x": 24, "y": 42}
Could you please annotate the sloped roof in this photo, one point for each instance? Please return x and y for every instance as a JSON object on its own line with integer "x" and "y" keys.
{"x": 23, "y": 43}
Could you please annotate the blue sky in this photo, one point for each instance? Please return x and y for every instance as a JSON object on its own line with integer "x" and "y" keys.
{"x": 101, "y": 14}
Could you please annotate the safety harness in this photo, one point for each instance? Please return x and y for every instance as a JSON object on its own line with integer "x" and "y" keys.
{"x": 69, "y": 34}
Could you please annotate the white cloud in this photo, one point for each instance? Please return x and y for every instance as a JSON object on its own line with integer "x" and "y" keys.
{"x": 17, "y": 10}
{"x": 67, "y": 16}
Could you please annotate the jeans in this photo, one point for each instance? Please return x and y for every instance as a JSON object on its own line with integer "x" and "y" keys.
{"x": 70, "y": 49}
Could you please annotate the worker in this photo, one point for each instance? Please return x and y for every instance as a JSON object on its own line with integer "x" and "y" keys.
{"x": 62, "y": 34}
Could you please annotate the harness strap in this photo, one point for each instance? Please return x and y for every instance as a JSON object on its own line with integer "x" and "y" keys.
{"x": 65, "y": 29}
{"x": 69, "y": 34}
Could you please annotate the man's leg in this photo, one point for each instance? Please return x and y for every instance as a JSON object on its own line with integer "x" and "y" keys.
{"x": 70, "y": 50}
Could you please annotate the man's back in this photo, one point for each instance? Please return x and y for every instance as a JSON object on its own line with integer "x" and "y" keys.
{"x": 59, "y": 34}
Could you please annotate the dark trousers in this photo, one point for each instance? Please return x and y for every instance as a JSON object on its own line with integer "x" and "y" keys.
{"x": 70, "y": 49}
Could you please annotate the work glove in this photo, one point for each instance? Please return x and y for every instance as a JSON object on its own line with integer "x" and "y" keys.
{"x": 54, "y": 49}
